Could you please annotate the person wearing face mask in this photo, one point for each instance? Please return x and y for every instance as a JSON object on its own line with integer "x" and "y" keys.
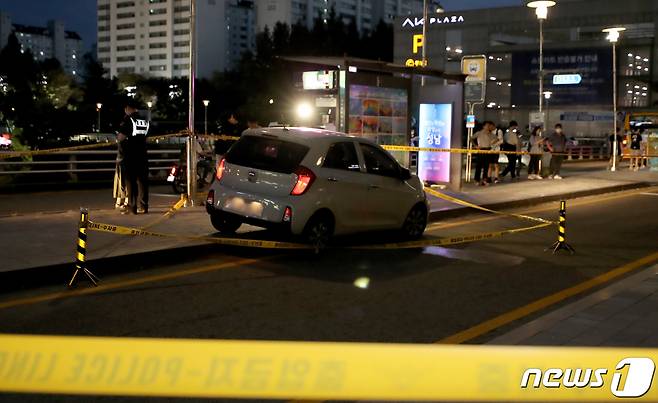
{"x": 535, "y": 147}
{"x": 557, "y": 145}
{"x": 512, "y": 142}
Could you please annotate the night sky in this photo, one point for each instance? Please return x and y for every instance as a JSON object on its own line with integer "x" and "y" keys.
{"x": 80, "y": 15}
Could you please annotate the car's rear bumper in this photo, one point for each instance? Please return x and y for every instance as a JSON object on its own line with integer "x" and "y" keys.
{"x": 273, "y": 209}
{"x": 277, "y": 226}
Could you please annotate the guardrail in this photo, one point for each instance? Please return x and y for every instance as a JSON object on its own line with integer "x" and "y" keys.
{"x": 77, "y": 162}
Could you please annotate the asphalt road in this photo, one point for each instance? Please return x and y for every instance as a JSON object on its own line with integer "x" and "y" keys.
{"x": 412, "y": 296}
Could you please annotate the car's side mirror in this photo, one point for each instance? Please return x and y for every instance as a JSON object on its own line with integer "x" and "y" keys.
{"x": 405, "y": 174}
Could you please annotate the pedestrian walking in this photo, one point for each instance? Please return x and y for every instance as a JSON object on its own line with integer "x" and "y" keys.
{"x": 557, "y": 145}
{"x": 134, "y": 130}
{"x": 512, "y": 143}
{"x": 636, "y": 150}
{"x": 494, "y": 166}
{"x": 535, "y": 147}
{"x": 483, "y": 140}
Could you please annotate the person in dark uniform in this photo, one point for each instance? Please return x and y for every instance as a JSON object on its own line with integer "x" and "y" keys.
{"x": 134, "y": 129}
{"x": 232, "y": 128}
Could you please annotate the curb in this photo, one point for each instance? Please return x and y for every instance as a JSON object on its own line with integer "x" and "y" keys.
{"x": 463, "y": 211}
{"x": 59, "y": 273}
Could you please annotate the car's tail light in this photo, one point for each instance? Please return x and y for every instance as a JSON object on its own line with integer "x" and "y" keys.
{"x": 220, "y": 169}
{"x": 210, "y": 199}
{"x": 173, "y": 170}
{"x": 305, "y": 178}
{"x": 287, "y": 215}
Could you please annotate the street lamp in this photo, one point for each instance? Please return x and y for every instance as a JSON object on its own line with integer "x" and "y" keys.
{"x": 99, "y": 106}
{"x": 613, "y": 36}
{"x": 547, "y": 96}
{"x": 206, "y": 102}
{"x": 150, "y": 105}
{"x": 541, "y": 10}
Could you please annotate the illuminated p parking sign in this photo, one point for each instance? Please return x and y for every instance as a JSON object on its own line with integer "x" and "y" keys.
{"x": 567, "y": 79}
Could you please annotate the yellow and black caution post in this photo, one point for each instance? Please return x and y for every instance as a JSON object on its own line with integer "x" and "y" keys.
{"x": 80, "y": 257}
{"x": 561, "y": 236}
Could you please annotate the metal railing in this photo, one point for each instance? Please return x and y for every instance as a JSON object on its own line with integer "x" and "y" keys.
{"x": 77, "y": 162}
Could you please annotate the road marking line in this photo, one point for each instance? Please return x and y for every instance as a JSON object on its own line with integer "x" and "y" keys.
{"x": 518, "y": 313}
{"x": 128, "y": 283}
{"x": 575, "y": 203}
{"x": 649, "y": 194}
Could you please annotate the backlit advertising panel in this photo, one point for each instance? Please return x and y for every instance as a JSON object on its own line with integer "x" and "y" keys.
{"x": 435, "y": 126}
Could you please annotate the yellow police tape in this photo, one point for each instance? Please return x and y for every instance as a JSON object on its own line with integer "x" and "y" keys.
{"x": 321, "y": 371}
{"x": 16, "y": 154}
{"x": 455, "y": 240}
{"x": 457, "y": 150}
{"x": 263, "y": 244}
{"x": 250, "y": 243}
{"x": 475, "y": 206}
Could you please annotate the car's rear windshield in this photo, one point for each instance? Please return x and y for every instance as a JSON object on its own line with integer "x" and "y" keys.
{"x": 268, "y": 154}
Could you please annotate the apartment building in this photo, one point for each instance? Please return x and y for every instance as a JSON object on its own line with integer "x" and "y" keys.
{"x": 53, "y": 41}
{"x": 151, "y": 37}
{"x": 365, "y": 13}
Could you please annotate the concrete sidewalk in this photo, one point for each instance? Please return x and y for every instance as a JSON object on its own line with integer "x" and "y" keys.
{"x": 624, "y": 314}
{"x": 39, "y": 230}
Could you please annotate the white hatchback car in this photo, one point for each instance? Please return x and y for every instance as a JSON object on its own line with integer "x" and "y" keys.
{"x": 315, "y": 183}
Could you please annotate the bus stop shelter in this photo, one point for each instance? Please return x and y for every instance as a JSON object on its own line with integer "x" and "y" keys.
{"x": 390, "y": 104}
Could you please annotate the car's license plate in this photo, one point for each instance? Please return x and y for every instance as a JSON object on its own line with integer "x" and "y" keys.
{"x": 171, "y": 178}
{"x": 247, "y": 207}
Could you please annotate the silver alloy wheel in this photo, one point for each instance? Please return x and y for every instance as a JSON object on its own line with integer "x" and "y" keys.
{"x": 415, "y": 223}
{"x": 318, "y": 234}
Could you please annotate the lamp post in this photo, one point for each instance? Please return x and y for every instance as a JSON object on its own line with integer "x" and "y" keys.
{"x": 613, "y": 36}
{"x": 149, "y": 104}
{"x": 99, "y": 106}
{"x": 541, "y": 10}
{"x": 547, "y": 96}
{"x": 206, "y": 102}
{"x": 191, "y": 154}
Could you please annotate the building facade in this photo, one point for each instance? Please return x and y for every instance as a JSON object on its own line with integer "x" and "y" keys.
{"x": 152, "y": 37}
{"x": 365, "y": 13}
{"x": 51, "y": 42}
{"x": 574, "y": 45}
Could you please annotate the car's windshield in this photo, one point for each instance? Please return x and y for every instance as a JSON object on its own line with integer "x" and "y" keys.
{"x": 269, "y": 154}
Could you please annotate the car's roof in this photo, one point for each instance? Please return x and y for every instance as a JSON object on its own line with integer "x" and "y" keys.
{"x": 299, "y": 134}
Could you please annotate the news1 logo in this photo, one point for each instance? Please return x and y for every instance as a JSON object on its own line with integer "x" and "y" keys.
{"x": 637, "y": 381}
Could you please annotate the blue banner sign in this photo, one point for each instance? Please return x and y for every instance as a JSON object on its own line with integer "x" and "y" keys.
{"x": 435, "y": 130}
{"x": 593, "y": 65}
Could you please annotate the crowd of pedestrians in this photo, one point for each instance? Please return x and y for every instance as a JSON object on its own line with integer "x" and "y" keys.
{"x": 547, "y": 152}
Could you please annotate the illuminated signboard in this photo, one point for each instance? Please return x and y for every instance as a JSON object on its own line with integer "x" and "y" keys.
{"x": 417, "y": 43}
{"x": 567, "y": 79}
{"x": 318, "y": 80}
{"x": 418, "y": 22}
{"x": 435, "y": 131}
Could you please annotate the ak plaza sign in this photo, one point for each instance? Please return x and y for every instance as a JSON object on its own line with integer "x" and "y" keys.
{"x": 418, "y": 41}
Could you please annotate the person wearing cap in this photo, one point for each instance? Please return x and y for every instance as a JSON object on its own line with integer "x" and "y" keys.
{"x": 132, "y": 133}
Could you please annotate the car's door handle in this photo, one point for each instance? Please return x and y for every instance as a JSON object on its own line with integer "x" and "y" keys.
{"x": 332, "y": 179}
{"x": 373, "y": 187}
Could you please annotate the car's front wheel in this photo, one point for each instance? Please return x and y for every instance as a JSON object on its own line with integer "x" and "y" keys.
{"x": 319, "y": 230}
{"x": 224, "y": 224}
{"x": 415, "y": 223}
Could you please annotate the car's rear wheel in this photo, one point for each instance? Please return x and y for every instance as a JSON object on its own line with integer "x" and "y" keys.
{"x": 415, "y": 223}
{"x": 319, "y": 230}
{"x": 224, "y": 224}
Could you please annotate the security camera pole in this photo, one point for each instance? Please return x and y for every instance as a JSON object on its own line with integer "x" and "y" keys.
{"x": 191, "y": 140}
